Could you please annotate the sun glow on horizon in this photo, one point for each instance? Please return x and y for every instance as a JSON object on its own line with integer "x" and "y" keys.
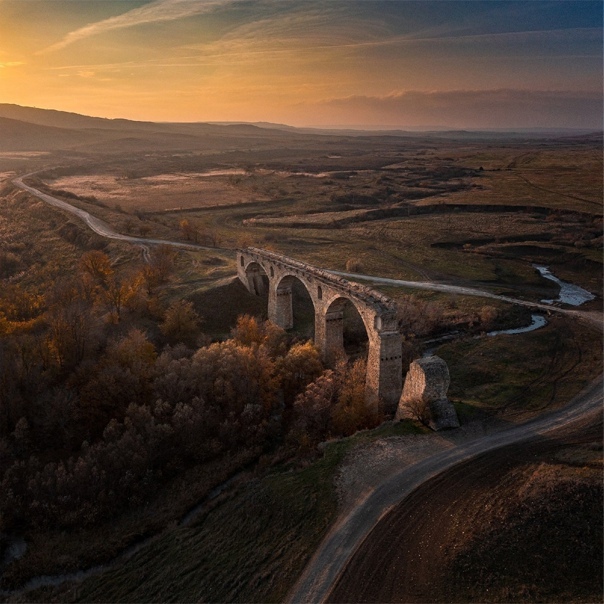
{"x": 456, "y": 64}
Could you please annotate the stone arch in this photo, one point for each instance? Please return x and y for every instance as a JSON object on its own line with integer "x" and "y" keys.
{"x": 334, "y": 319}
{"x": 282, "y": 309}
{"x": 257, "y": 278}
{"x": 260, "y": 269}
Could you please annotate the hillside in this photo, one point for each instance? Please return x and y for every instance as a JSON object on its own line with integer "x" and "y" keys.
{"x": 16, "y": 135}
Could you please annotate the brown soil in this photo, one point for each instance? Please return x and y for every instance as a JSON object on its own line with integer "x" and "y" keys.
{"x": 521, "y": 524}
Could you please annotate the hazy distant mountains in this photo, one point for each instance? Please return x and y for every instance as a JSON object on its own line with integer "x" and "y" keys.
{"x": 32, "y": 129}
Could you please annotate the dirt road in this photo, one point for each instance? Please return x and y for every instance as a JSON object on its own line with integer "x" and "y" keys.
{"x": 96, "y": 224}
{"x": 592, "y": 317}
{"x": 411, "y": 554}
{"x": 347, "y": 535}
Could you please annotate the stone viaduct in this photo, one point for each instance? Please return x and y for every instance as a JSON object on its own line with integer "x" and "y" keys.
{"x": 329, "y": 295}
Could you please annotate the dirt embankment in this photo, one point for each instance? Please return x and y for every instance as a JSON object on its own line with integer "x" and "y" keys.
{"x": 522, "y": 523}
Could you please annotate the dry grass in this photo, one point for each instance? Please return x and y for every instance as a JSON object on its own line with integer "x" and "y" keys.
{"x": 163, "y": 192}
{"x": 530, "y": 372}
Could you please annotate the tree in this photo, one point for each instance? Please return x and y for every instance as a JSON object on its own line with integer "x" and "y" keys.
{"x": 419, "y": 410}
{"x": 313, "y": 407}
{"x": 250, "y": 331}
{"x": 298, "y": 368}
{"x": 189, "y": 231}
{"x": 69, "y": 334}
{"x": 98, "y": 266}
{"x": 231, "y": 376}
{"x": 351, "y": 412}
{"x": 115, "y": 294}
{"x": 181, "y": 323}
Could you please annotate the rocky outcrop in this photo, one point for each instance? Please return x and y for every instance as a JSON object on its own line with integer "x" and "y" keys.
{"x": 424, "y": 395}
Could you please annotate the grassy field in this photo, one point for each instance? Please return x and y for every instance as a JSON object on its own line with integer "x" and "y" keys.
{"x": 251, "y": 547}
{"x": 301, "y": 201}
{"x": 530, "y": 372}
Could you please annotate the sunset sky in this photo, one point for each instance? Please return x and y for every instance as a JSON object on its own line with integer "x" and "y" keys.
{"x": 329, "y": 62}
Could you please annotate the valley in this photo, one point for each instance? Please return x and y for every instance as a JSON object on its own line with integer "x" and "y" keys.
{"x": 452, "y": 227}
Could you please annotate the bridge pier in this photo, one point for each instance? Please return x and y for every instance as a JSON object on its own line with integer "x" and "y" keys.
{"x": 255, "y": 282}
{"x": 384, "y": 381}
{"x": 329, "y": 333}
{"x": 280, "y": 309}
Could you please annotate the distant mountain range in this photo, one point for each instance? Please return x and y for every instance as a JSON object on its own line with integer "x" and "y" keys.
{"x": 33, "y": 129}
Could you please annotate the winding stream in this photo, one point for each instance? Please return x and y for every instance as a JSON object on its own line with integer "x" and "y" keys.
{"x": 569, "y": 292}
{"x": 537, "y": 321}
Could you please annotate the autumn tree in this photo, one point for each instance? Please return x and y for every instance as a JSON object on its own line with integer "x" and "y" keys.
{"x": 181, "y": 323}
{"x": 298, "y": 368}
{"x": 189, "y": 230}
{"x": 123, "y": 375}
{"x": 313, "y": 409}
{"x": 97, "y": 264}
{"x": 160, "y": 265}
{"x": 69, "y": 333}
{"x": 232, "y": 376}
{"x": 351, "y": 412}
{"x": 249, "y": 331}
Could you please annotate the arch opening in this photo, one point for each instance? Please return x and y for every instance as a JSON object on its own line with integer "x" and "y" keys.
{"x": 257, "y": 279}
{"x": 346, "y": 333}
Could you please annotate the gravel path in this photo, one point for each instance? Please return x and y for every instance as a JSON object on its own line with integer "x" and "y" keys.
{"x": 96, "y": 224}
{"x": 355, "y": 524}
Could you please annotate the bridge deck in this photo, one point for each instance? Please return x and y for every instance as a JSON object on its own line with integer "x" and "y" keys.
{"x": 363, "y": 293}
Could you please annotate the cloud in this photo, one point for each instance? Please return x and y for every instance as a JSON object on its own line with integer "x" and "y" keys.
{"x": 4, "y": 64}
{"x": 157, "y": 11}
{"x": 504, "y": 108}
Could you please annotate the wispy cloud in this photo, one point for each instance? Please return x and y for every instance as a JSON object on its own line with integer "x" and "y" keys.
{"x": 154, "y": 12}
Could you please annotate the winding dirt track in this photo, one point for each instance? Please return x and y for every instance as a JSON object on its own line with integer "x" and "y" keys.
{"x": 350, "y": 532}
{"x": 96, "y": 224}
{"x": 347, "y": 535}
{"x": 404, "y": 557}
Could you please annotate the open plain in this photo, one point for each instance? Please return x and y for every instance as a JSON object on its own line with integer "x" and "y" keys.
{"x": 441, "y": 209}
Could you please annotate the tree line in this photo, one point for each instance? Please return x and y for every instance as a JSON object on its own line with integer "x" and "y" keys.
{"x": 106, "y": 394}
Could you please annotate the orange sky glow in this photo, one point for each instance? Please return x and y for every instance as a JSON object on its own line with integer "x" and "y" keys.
{"x": 401, "y": 63}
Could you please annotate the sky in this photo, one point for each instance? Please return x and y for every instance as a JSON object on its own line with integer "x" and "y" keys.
{"x": 369, "y": 63}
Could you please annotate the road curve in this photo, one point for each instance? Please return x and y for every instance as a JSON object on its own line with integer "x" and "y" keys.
{"x": 592, "y": 317}
{"x": 349, "y": 532}
{"x": 104, "y": 230}
{"x": 96, "y": 224}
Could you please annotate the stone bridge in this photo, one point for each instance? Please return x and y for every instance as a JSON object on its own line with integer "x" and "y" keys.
{"x": 261, "y": 270}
